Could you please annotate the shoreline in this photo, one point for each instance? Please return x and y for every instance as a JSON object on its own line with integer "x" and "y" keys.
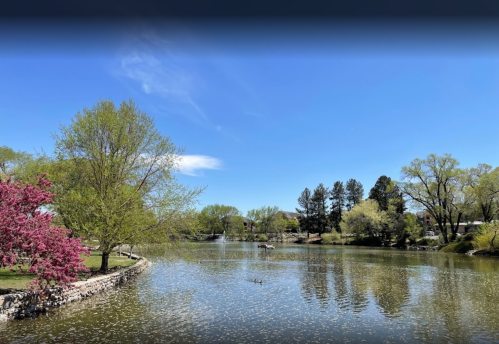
{"x": 22, "y": 304}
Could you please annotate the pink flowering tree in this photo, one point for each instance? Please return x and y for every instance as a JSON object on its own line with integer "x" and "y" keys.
{"x": 28, "y": 244}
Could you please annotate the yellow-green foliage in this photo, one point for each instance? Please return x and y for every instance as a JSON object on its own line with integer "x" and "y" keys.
{"x": 332, "y": 237}
{"x": 365, "y": 218}
{"x": 262, "y": 237}
{"x": 458, "y": 247}
{"x": 327, "y": 238}
{"x": 487, "y": 237}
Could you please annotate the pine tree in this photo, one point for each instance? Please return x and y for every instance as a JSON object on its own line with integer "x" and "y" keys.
{"x": 319, "y": 207}
{"x": 337, "y": 204}
{"x": 354, "y": 193}
{"x": 305, "y": 201}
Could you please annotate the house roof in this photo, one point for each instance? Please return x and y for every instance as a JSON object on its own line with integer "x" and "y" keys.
{"x": 289, "y": 214}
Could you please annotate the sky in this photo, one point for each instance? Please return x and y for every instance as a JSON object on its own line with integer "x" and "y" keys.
{"x": 264, "y": 109}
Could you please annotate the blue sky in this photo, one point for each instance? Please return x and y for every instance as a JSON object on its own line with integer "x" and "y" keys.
{"x": 265, "y": 110}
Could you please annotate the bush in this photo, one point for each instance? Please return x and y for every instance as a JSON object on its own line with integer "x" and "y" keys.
{"x": 466, "y": 237}
{"x": 335, "y": 236}
{"x": 250, "y": 237}
{"x": 487, "y": 237}
{"x": 329, "y": 238}
{"x": 262, "y": 237}
{"x": 428, "y": 242}
{"x": 458, "y": 247}
{"x": 367, "y": 241}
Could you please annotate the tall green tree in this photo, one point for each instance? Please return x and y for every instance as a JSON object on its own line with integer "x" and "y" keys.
{"x": 320, "y": 208}
{"x": 265, "y": 218}
{"x": 483, "y": 182}
{"x": 337, "y": 197}
{"x": 379, "y": 192}
{"x": 217, "y": 218}
{"x": 12, "y": 162}
{"x": 305, "y": 218}
{"x": 122, "y": 168}
{"x": 436, "y": 184}
{"x": 209, "y": 219}
{"x": 354, "y": 193}
{"x": 252, "y": 216}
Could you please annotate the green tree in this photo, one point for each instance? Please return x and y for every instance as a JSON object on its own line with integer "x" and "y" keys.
{"x": 484, "y": 185}
{"x": 252, "y": 216}
{"x": 226, "y": 215}
{"x": 216, "y": 218}
{"x": 265, "y": 218}
{"x": 487, "y": 237}
{"x": 354, "y": 193}
{"x": 320, "y": 208}
{"x": 305, "y": 219}
{"x": 436, "y": 184}
{"x": 12, "y": 162}
{"x": 364, "y": 219}
{"x": 209, "y": 220}
{"x": 279, "y": 224}
{"x": 236, "y": 226}
{"x": 412, "y": 227}
{"x": 379, "y": 192}
{"x": 337, "y": 204}
{"x": 122, "y": 169}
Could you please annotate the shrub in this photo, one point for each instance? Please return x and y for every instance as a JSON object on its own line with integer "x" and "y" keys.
{"x": 428, "y": 242}
{"x": 487, "y": 237}
{"x": 332, "y": 237}
{"x": 467, "y": 237}
{"x": 262, "y": 237}
{"x": 367, "y": 241}
{"x": 458, "y": 247}
{"x": 335, "y": 236}
{"x": 250, "y": 237}
{"x": 327, "y": 238}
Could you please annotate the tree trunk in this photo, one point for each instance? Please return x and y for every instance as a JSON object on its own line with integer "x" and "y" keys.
{"x": 443, "y": 230}
{"x": 105, "y": 262}
{"x": 492, "y": 247}
{"x": 131, "y": 249}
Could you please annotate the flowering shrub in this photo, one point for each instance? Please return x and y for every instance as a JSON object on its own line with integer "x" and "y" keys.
{"x": 27, "y": 239}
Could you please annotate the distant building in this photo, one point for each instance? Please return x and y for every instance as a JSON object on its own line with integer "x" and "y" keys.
{"x": 464, "y": 227}
{"x": 290, "y": 215}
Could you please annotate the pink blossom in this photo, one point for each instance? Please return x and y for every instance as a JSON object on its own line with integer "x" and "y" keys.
{"x": 26, "y": 236}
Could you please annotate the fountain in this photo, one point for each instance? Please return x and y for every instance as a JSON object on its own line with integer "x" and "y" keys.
{"x": 221, "y": 239}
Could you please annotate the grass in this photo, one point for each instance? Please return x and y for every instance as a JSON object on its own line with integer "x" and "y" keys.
{"x": 14, "y": 280}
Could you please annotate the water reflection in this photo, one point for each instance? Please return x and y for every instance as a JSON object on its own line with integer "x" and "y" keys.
{"x": 207, "y": 294}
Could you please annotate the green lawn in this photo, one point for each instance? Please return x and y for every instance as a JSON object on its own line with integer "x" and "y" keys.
{"x": 15, "y": 280}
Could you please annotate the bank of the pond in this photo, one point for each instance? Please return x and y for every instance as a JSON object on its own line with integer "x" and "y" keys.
{"x": 462, "y": 245}
{"x": 22, "y": 304}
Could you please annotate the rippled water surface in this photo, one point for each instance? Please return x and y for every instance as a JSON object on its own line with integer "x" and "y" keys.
{"x": 206, "y": 293}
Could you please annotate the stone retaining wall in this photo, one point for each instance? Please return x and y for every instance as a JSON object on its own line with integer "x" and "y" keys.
{"x": 24, "y": 304}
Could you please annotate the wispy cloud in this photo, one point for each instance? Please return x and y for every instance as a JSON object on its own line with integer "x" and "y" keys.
{"x": 151, "y": 61}
{"x": 191, "y": 165}
{"x": 160, "y": 77}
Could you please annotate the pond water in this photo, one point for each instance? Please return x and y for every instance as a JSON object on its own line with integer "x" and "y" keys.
{"x": 206, "y": 293}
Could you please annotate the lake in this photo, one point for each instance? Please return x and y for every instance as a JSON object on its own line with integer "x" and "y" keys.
{"x": 211, "y": 293}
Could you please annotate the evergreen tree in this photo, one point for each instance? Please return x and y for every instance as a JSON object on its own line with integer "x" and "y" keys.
{"x": 337, "y": 204}
{"x": 305, "y": 201}
{"x": 379, "y": 192}
{"x": 354, "y": 193}
{"x": 319, "y": 207}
